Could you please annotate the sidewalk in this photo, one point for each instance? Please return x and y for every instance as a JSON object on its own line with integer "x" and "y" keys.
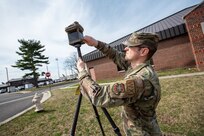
{"x": 164, "y": 77}
{"x": 174, "y": 76}
{"x": 182, "y": 75}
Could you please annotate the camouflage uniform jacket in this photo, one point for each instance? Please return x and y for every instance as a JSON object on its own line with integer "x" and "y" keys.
{"x": 138, "y": 94}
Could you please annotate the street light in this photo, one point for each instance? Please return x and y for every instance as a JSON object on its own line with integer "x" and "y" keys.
{"x": 58, "y": 68}
{"x": 7, "y": 74}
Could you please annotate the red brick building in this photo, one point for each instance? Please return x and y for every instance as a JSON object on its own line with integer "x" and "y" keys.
{"x": 181, "y": 44}
{"x": 194, "y": 21}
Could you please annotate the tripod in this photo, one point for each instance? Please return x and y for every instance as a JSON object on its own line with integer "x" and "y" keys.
{"x": 115, "y": 128}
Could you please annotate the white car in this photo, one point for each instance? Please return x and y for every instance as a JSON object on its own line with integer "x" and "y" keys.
{"x": 3, "y": 90}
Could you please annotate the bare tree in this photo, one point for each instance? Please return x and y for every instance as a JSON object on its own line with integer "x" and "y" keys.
{"x": 71, "y": 63}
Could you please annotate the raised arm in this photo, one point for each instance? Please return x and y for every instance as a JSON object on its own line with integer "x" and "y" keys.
{"x": 117, "y": 57}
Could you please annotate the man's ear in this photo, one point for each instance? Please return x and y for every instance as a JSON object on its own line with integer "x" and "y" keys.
{"x": 144, "y": 51}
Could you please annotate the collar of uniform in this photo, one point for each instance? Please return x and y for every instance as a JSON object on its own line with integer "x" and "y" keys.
{"x": 136, "y": 69}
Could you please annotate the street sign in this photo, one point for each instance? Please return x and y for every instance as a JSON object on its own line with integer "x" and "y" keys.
{"x": 47, "y": 74}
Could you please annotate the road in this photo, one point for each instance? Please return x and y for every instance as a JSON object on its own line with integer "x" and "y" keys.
{"x": 14, "y": 103}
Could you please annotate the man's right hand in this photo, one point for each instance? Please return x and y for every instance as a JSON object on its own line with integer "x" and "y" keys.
{"x": 90, "y": 41}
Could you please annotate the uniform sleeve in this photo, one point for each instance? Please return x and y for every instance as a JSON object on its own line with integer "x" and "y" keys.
{"x": 114, "y": 94}
{"x": 117, "y": 57}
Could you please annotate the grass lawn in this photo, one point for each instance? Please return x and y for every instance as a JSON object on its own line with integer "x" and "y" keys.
{"x": 180, "y": 112}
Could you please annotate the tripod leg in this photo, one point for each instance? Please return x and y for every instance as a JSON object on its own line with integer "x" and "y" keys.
{"x": 76, "y": 116}
{"x": 116, "y": 129}
{"x": 98, "y": 119}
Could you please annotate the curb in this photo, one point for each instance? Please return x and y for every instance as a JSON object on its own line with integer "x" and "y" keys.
{"x": 46, "y": 96}
{"x": 23, "y": 92}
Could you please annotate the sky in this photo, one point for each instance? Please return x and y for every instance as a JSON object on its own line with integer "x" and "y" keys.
{"x": 45, "y": 20}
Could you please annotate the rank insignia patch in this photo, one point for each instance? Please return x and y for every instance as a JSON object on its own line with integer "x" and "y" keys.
{"x": 118, "y": 88}
{"x": 130, "y": 85}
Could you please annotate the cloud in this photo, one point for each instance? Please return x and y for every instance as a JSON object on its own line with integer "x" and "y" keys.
{"x": 45, "y": 20}
{"x": 39, "y": 20}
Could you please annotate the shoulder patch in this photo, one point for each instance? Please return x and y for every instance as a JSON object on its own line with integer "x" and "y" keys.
{"x": 130, "y": 85}
{"x": 135, "y": 86}
{"x": 118, "y": 88}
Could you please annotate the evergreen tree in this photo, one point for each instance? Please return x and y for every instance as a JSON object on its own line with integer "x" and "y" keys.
{"x": 31, "y": 58}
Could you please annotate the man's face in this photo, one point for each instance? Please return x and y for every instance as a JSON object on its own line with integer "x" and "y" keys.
{"x": 136, "y": 53}
{"x": 132, "y": 53}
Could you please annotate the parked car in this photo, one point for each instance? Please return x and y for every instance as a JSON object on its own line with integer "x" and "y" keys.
{"x": 3, "y": 90}
{"x": 20, "y": 88}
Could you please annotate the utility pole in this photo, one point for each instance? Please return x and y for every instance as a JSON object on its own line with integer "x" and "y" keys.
{"x": 58, "y": 68}
{"x": 47, "y": 68}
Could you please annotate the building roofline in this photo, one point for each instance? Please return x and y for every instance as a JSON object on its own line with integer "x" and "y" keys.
{"x": 167, "y": 31}
{"x": 197, "y": 5}
{"x": 158, "y": 21}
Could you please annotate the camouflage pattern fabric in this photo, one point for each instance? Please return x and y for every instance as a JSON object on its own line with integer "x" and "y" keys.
{"x": 138, "y": 94}
{"x": 136, "y": 39}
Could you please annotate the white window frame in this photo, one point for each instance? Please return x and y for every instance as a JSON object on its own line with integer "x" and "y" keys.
{"x": 202, "y": 26}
